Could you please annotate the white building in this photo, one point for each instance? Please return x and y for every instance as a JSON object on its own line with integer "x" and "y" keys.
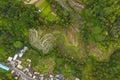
{"x": 19, "y": 66}
{"x": 12, "y": 71}
{"x": 10, "y": 58}
{"x": 23, "y": 51}
{"x": 21, "y": 54}
{"x": 77, "y": 79}
{"x": 41, "y": 77}
{"x": 25, "y": 48}
{"x": 34, "y": 77}
{"x": 15, "y": 57}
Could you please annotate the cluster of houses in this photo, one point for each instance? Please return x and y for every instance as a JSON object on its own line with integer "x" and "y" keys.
{"x": 27, "y": 73}
{"x": 18, "y": 55}
{"x": 13, "y": 59}
{"x": 15, "y": 62}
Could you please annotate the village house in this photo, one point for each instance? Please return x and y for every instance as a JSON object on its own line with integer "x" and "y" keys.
{"x": 41, "y": 77}
{"x": 21, "y": 53}
{"x": 51, "y": 77}
{"x": 10, "y": 59}
{"x": 77, "y": 79}
{"x": 16, "y": 63}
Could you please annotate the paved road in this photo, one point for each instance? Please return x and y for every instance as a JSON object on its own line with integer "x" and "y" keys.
{"x": 22, "y": 74}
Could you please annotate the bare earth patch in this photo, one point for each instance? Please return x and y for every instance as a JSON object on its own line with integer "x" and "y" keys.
{"x": 39, "y": 2}
{"x": 30, "y": 1}
{"x": 96, "y": 51}
{"x": 35, "y": 2}
{"x": 76, "y": 4}
{"x": 72, "y": 37}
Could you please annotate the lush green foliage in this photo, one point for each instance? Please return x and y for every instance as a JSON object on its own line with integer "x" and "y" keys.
{"x": 15, "y": 20}
{"x": 5, "y": 75}
{"x": 100, "y": 26}
{"x": 104, "y": 15}
{"x": 108, "y": 70}
{"x": 64, "y": 15}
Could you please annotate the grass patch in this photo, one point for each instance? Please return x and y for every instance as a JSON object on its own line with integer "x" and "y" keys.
{"x": 47, "y": 11}
{"x": 46, "y": 65}
{"x": 5, "y": 75}
{"x": 44, "y": 4}
{"x": 64, "y": 68}
{"x": 40, "y": 63}
{"x": 33, "y": 55}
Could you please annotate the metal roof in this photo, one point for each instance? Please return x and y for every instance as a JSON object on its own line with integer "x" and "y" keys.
{"x": 4, "y": 67}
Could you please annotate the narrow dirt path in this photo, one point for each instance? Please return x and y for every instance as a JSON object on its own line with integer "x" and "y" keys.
{"x": 76, "y": 5}
{"x": 72, "y": 36}
{"x": 39, "y": 2}
{"x": 30, "y": 2}
{"x": 63, "y": 5}
{"x": 73, "y": 5}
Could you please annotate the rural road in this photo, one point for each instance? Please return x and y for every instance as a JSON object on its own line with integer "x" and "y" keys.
{"x": 22, "y": 74}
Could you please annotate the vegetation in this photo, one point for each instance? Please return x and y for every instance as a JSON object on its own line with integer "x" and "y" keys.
{"x": 107, "y": 70}
{"x": 94, "y": 57}
{"x": 100, "y": 26}
{"x": 63, "y": 14}
{"x": 5, "y": 75}
{"x": 102, "y": 21}
{"x": 47, "y": 12}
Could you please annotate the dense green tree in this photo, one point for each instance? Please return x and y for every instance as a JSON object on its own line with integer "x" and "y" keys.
{"x": 104, "y": 14}
{"x": 107, "y": 70}
{"x": 17, "y": 44}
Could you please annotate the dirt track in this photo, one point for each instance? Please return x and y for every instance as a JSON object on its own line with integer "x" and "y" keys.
{"x": 76, "y": 5}
{"x": 39, "y": 2}
{"x": 30, "y": 2}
